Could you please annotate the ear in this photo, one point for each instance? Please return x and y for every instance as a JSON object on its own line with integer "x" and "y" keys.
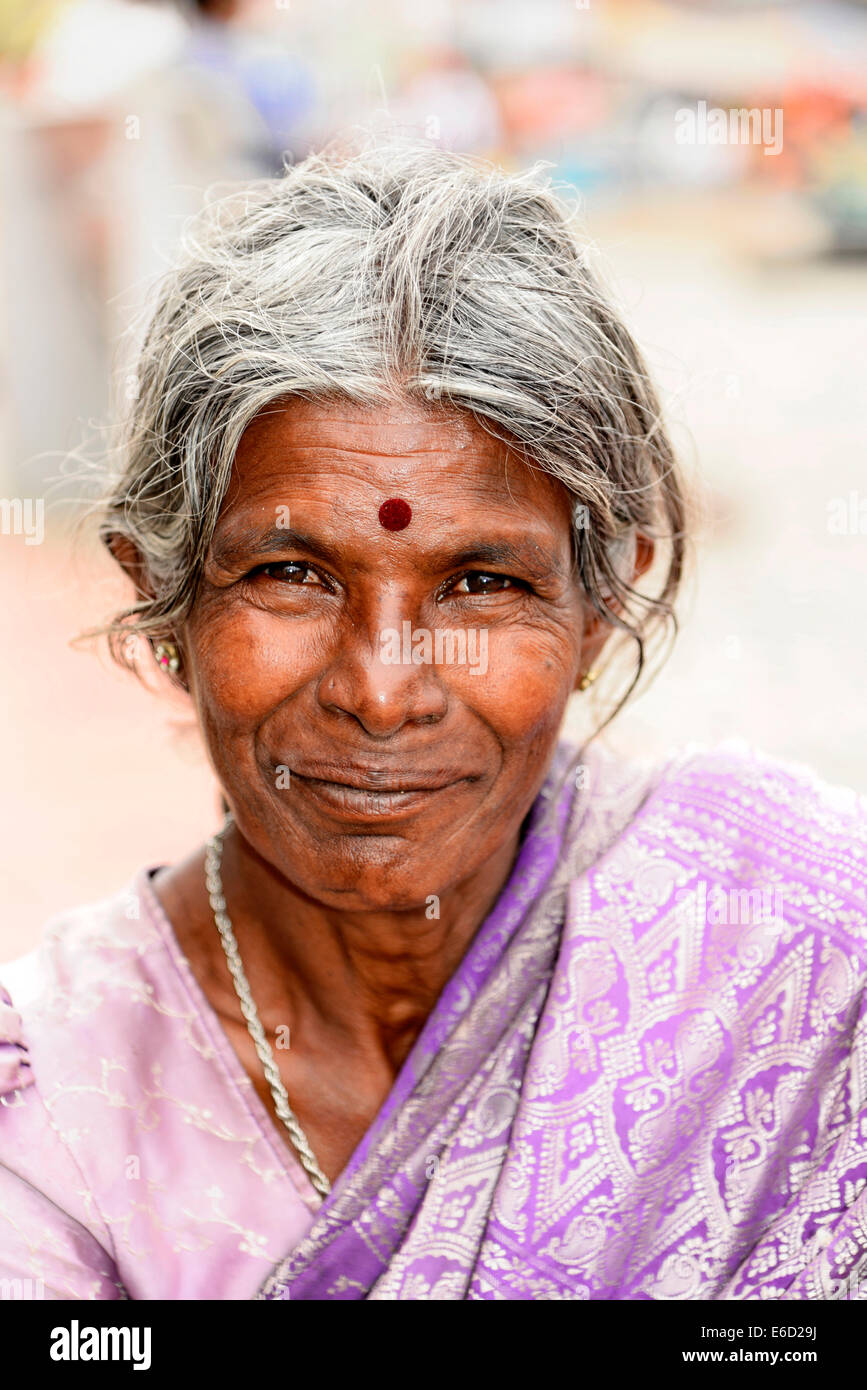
{"x": 129, "y": 557}
{"x": 596, "y": 629}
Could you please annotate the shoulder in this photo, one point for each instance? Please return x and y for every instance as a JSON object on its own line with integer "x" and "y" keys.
{"x": 742, "y": 818}
{"x": 745, "y": 792}
{"x": 134, "y": 1094}
{"x": 91, "y": 963}
{"x": 84, "y": 953}
{"x": 728, "y": 829}
{"x": 51, "y": 1227}
{"x": 77, "y": 1023}
{"x": 737, "y": 772}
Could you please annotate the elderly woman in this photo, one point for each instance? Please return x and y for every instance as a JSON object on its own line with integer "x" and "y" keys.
{"x": 448, "y": 1008}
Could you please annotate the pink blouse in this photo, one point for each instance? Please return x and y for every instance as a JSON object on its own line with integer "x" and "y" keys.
{"x": 117, "y": 1079}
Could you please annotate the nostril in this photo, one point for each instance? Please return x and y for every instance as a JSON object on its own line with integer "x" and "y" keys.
{"x": 381, "y": 697}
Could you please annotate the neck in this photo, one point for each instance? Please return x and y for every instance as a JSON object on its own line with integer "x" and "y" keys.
{"x": 368, "y": 979}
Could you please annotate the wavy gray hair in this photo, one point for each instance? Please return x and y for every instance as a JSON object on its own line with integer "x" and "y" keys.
{"x": 375, "y": 273}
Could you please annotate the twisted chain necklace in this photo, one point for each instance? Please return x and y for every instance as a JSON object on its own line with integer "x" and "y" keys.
{"x": 217, "y": 899}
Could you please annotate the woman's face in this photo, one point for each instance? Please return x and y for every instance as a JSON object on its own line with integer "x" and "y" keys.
{"x": 370, "y": 759}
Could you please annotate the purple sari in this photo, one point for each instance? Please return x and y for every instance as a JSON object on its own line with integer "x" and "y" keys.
{"x": 648, "y": 1077}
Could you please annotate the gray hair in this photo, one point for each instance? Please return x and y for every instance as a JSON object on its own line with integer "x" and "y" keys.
{"x": 392, "y": 270}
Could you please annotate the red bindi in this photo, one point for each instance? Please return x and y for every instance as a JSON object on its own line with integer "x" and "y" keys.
{"x": 395, "y": 514}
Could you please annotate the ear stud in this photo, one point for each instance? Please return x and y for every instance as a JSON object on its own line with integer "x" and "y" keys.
{"x": 168, "y": 657}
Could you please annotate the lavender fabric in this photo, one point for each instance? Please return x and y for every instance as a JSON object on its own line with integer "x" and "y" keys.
{"x": 646, "y": 1079}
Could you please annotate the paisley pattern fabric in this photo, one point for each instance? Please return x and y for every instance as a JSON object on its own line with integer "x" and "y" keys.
{"x": 646, "y": 1079}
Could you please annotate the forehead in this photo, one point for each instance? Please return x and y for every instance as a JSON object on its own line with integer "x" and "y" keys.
{"x": 379, "y": 449}
{"x": 391, "y": 427}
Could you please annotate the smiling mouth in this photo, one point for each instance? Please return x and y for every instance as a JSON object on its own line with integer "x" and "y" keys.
{"x": 368, "y": 796}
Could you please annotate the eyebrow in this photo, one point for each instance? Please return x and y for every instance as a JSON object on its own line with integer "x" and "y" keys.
{"x": 498, "y": 553}
{"x": 278, "y": 540}
{"x": 272, "y": 541}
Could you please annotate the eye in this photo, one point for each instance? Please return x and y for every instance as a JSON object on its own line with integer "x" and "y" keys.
{"x": 477, "y": 583}
{"x": 289, "y": 572}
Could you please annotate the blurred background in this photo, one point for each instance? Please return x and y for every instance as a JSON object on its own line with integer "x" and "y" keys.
{"x": 735, "y": 248}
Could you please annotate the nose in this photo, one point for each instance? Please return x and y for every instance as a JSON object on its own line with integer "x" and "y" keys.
{"x": 382, "y": 695}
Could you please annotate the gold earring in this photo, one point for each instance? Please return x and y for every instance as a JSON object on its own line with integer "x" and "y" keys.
{"x": 168, "y": 657}
{"x": 587, "y": 679}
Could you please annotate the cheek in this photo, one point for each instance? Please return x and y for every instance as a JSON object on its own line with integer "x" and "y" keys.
{"x": 244, "y": 664}
{"x": 529, "y": 679}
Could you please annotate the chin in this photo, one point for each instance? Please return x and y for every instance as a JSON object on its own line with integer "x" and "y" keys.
{"x": 374, "y": 889}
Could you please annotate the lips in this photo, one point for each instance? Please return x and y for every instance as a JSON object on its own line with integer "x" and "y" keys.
{"x": 373, "y": 793}
{"x": 376, "y": 779}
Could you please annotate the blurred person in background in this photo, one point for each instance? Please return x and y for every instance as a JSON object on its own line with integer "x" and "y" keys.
{"x": 443, "y": 97}
{"x": 125, "y": 112}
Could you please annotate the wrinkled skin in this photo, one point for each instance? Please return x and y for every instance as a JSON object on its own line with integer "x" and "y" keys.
{"x": 367, "y": 796}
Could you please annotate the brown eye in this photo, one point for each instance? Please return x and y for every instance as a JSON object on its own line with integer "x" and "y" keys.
{"x": 290, "y": 572}
{"x": 478, "y": 583}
